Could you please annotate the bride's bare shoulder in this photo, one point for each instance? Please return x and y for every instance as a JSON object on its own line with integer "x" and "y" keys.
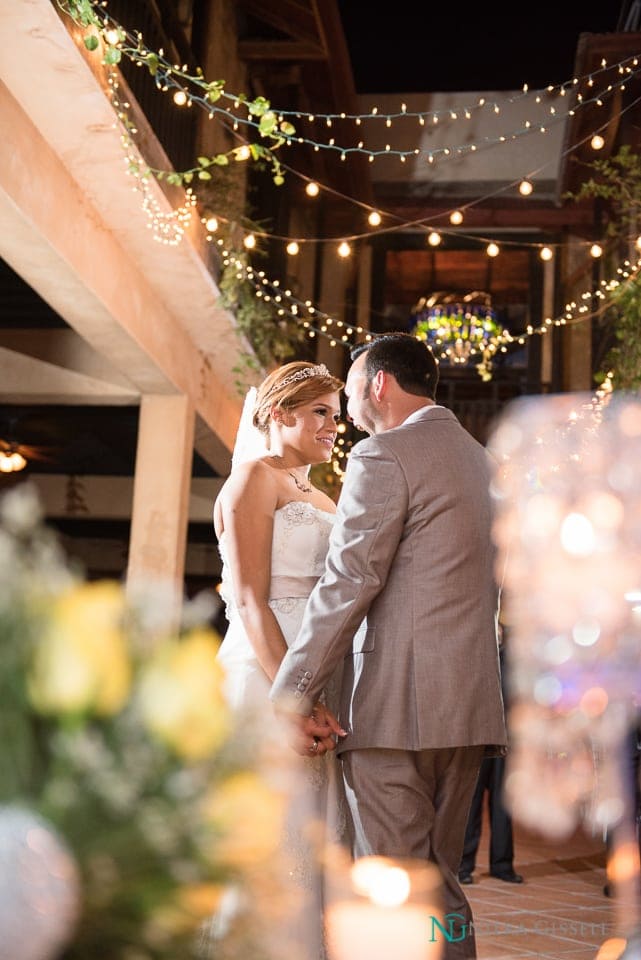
{"x": 254, "y": 478}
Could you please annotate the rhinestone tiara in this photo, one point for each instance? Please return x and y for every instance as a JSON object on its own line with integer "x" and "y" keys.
{"x": 317, "y": 370}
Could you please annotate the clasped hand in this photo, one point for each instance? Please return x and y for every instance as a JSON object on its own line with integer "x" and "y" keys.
{"x": 314, "y": 735}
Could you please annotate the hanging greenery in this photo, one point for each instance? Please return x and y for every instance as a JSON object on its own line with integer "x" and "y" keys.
{"x": 274, "y": 339}
{"x": 617, "y": 182}
{"x": 102, "y": 30}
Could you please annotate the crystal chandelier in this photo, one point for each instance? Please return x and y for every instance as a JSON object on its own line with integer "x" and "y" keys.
{"x": 460, "y": 329}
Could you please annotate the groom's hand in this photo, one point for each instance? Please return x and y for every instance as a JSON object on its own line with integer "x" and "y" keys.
{"x": 320, "y": 730}
{"x": 324, "y": 718}
{"x": 314, "y": 735}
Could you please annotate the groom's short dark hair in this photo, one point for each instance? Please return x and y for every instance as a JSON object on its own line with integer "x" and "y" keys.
{"x": 410, "y": 361}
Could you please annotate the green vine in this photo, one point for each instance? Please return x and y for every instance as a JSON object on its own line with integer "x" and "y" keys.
{"x": 273, "y": 339}
{"x": 623, "y": 358}
{"x": 193, "y": 86}
{"x": 617, "y": 181}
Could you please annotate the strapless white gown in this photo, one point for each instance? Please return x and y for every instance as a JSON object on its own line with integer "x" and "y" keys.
{"x": 299, "y": 547}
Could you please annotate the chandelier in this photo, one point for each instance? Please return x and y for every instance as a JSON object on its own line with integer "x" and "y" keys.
{"x": 460, "y": 329}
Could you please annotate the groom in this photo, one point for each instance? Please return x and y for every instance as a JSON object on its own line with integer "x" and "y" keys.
{"x": 409, "y": 601}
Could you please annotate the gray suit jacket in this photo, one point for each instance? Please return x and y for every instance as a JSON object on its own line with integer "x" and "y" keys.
{"x": 409, "y": 597}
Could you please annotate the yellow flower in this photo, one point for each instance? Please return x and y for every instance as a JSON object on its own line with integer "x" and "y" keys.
{"x": 190, "y": 905}
{"x": 81, "y": 662}
{"x": 200, "y": 900}
{"x": 248, "y": 814}
{"x": 181, "y": 695}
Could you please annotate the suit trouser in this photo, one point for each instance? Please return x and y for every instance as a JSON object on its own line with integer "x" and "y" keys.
{"x": 406, "y": 803}
{"x": 491, "y": 779}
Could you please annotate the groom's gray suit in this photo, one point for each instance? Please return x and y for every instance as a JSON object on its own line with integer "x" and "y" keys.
{"x": 409, "y": 602}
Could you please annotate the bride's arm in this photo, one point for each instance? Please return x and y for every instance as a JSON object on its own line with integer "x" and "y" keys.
{"x": 246, "y": 505}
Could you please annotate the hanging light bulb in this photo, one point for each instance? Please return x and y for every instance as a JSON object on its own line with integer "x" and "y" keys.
{"x": 111, "y": 36}
{"x": 292, "y": 248}
{"x": 492, "y": 250}
{"x": 374, "y": 219}
{"x": 250, "y": 241}
{"x": 211, "y": 224}
{"x": 546, "y": 253}
{"x": 434, "y": 238}
{"x": 525, "y": 187}
{"x": 456, "y": 217}
{"x": 312, "y": 189}
{"x": 597, "y": 142}
{"x": 344, "y": 249}
{"x": 596, "y": 251}
{"x": 180, "y": 98}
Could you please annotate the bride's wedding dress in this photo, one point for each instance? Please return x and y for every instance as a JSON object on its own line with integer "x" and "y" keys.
{"x": 299, "y": 547}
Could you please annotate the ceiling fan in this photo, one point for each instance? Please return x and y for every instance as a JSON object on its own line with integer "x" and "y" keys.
{"x": 15, "y": 456}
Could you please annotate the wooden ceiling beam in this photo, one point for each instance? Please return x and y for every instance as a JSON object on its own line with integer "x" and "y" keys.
{"x": 294, "y": 19}
{"x": 257, "y": 50}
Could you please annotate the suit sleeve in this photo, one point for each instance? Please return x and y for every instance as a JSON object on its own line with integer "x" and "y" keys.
{"x": 370, "y": 521}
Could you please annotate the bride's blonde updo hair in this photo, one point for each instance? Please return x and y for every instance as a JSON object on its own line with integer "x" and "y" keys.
{"x": 289, "y": 387}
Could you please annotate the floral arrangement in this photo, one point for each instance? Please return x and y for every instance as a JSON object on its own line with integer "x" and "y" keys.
{"x": 131, "y": 805}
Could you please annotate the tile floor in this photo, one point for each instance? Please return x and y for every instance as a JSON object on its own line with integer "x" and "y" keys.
{"x": 559, "y": 913}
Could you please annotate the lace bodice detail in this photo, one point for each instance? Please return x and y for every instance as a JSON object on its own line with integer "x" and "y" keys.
{"x": 299, "y": 548}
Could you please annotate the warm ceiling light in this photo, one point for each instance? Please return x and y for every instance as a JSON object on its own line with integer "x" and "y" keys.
{"x": 597, "y": 142}
{"x": 546, "y": 253}
{"x": 312, "y": 189}
{"x": 374, "y": 219}
{"x": 250, "y": 241}
{"x": 596, "y": 250}
{"x": 11, "y": 461}
{"x": 292, "y": 248}
{"x": 211, "y": 224}
{"x": 456, "y": 217}
{"x": 525, "y": 188}
{"x": 434, "y": 238}
{"x": 344, "y": 249}
{"x": 180, "y": 98}
{"x": 492, "y": 250}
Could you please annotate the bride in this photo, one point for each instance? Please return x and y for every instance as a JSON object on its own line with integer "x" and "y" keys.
{"x": 273, "y": 527}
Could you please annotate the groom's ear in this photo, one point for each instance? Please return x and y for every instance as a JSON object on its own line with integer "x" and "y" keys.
{"x": 379, "y": 382}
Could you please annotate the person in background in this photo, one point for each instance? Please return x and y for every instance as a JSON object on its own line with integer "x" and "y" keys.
{"x": 491, "y": 783}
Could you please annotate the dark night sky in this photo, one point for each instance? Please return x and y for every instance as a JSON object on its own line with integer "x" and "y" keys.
{"x": 414, "y": 47}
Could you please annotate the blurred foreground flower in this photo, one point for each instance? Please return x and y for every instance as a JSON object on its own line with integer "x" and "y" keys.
{"x": 81, "y": 662}
{"x": 123, "y": 779}
{"x": 181, "y": 695}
